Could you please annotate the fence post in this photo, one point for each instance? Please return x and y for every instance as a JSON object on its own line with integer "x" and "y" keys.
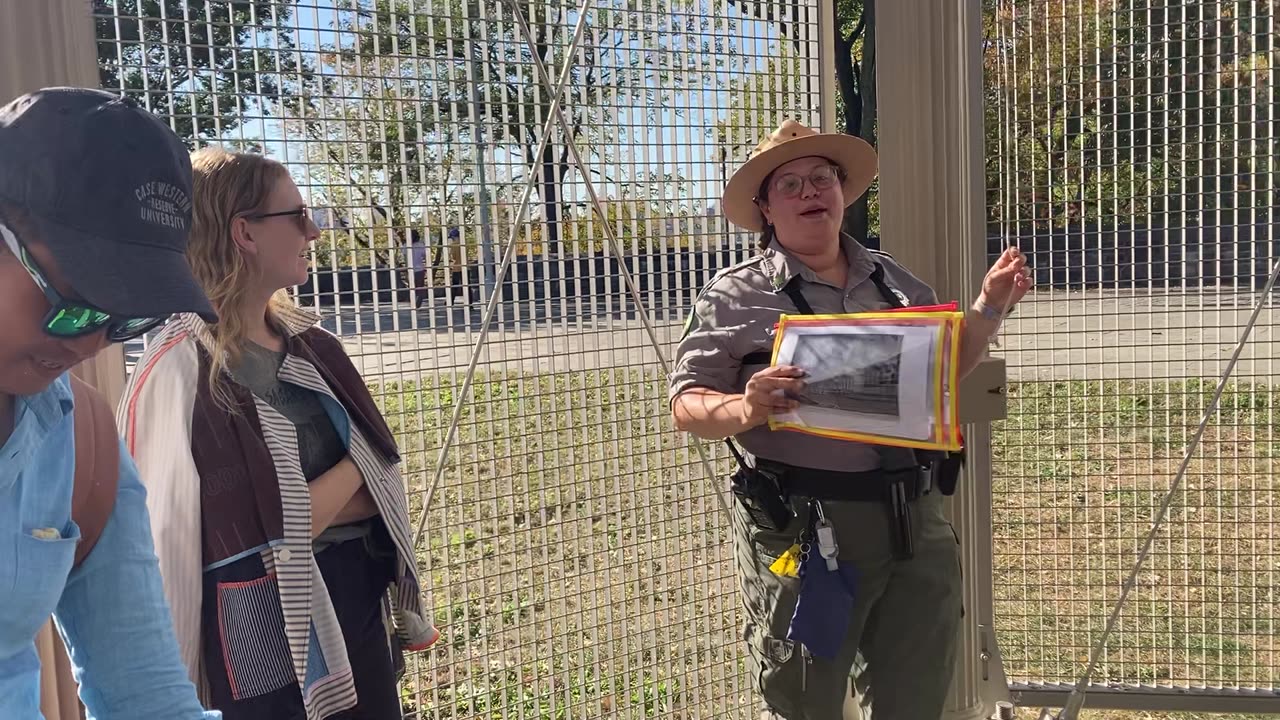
{"x": 827, "y": 89}
{"x": 46, "y": 43}
{"x": 932, "y": 219}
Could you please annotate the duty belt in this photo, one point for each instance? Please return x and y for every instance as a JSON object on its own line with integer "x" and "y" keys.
{"x": 896, "y": 489}
{"x": 904, "y": 480}
{"x": 869, "y": 486}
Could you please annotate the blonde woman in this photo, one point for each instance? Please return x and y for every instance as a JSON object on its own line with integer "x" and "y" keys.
{"x": 276, "y": 501}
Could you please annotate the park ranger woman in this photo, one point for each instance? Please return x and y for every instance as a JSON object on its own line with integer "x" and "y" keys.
{"x": 907, "y": 605}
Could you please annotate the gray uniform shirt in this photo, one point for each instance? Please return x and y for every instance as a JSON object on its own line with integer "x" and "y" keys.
{"x": 734, "y": 317}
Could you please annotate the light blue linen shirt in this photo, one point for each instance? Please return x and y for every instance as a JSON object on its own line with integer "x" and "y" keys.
{"x": 111, "y": 610}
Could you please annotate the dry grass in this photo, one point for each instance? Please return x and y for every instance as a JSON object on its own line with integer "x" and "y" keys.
{"x": 1081, "y": 469}
{"x": 578, "y": 560}
{"x": 1132, "y": 715}
{"x": 579, "y": 563}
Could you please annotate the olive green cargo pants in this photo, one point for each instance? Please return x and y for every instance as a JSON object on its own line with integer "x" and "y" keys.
{"x": 905, "y": 619}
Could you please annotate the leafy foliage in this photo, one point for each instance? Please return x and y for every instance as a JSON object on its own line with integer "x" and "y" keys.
{"x": 201, "y": 75}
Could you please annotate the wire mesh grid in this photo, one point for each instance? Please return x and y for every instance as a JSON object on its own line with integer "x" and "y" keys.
{"x": 575, "y": 552}
{"x": 1131, "y": 150}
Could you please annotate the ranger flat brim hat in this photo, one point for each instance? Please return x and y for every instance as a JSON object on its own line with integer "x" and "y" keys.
{"x": 107, "y": 188}
{"x": 793, "y": 141}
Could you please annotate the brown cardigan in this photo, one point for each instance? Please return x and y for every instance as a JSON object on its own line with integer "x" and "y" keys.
{"x": 232, "y": 515}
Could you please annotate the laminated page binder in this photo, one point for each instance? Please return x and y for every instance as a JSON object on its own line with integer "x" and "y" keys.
{"x": 886, "y": 377}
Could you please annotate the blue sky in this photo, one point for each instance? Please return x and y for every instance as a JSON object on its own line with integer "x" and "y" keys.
{"x": 674, "y": 142}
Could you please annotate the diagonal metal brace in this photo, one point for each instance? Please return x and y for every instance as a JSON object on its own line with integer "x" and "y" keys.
{"x": 614, "y": 245}
{"x": 1075, "y": 701}
{"x": 508, "y": 256}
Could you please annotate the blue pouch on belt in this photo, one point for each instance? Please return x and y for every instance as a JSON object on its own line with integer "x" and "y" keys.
{"x": 824, "y": 607}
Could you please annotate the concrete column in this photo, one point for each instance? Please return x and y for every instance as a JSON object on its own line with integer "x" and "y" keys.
{"x": 46, "y": 43}
{"x": 932, "y": 219}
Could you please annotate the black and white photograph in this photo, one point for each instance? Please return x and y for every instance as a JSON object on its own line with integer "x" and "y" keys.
{"x": 868, "y": 382}
{"x": 863, "y": 378}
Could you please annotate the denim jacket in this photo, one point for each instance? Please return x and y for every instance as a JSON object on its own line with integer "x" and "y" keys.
{"x": 111, "y": 610}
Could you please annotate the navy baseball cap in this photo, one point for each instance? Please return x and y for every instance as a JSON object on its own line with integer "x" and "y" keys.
{"x": 107, "y": 186}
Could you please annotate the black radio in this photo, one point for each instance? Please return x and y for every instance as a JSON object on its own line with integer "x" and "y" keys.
{"x": 760, "y": 492}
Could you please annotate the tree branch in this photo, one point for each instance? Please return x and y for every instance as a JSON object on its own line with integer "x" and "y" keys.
{"x": 854, "y": 34}
{"x": 770, "y": 12}
{"x": 847, "y": 77}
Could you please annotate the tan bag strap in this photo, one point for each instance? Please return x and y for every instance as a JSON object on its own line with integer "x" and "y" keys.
{"x": 97, "y": 463}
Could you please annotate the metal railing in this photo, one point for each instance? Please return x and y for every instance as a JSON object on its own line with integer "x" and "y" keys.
{"x": 575, "y": 553}
{"x": 1132, "y": 150}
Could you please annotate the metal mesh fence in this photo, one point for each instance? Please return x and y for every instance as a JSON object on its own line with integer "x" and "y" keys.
{"x": 575, "y": 552}
{"x": 1132, "y": 148}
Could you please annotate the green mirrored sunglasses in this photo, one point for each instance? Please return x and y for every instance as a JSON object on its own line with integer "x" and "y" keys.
{"x": 72, "y": 318}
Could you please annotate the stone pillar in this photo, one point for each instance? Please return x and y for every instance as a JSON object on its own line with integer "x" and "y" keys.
{"x": 932, "y": 219}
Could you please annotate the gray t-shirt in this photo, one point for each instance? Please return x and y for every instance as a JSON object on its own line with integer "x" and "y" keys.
{"x": 319, "y": 446}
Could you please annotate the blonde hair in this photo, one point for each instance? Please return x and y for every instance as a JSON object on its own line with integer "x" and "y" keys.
{"x": 228, "y": 186}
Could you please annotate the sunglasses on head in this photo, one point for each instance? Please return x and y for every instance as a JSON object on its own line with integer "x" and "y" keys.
{"x": 74, "y": 318}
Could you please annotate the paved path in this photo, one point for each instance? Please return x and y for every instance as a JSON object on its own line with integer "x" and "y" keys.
{"x": 1138, "y": 335}
{"x": 609, "y": 343}
{"x": 1053, "y": 335}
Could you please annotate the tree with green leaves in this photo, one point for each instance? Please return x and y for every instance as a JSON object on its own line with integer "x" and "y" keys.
{"x": 856, "y": 107}
{"x": 376, "y": 150}
{"x": 1097, "y": 117}
{"x": 758, "y": 101}
{"x": 642, "y": 210}
{"x": 854, "y": 32}
{"x": 1069, "y": 149}
{"x": 475, "y": 71}
{"x": 1093, "y": 104}
{"x": 199, "y": 63}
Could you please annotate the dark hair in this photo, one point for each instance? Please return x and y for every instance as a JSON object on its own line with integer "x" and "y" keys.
{"x": 766, "y": 238}
{"x": 766, "y": 235}
{"x": 762, "y": 195}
